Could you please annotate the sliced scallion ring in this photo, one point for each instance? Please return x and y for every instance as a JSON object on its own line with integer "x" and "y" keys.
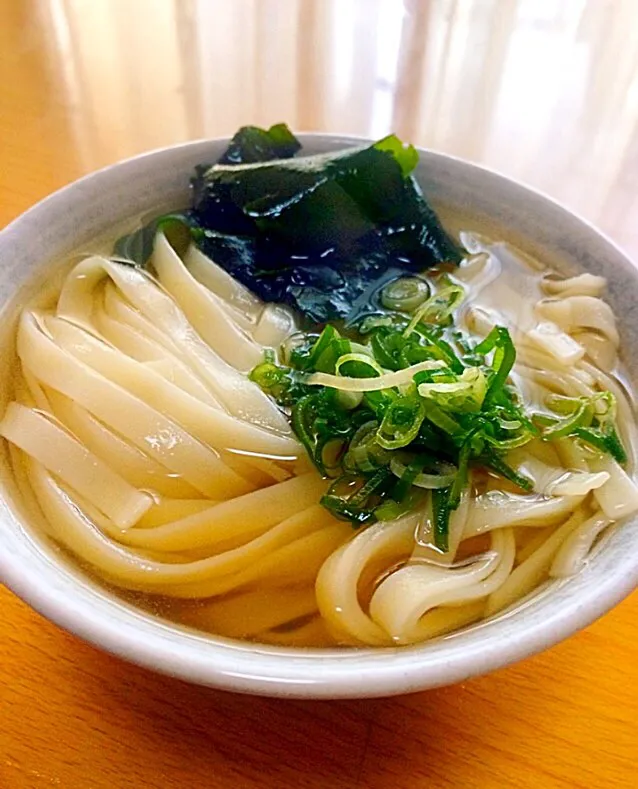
{"x": 444, "y": 477}
{"x": 405, "y": 294}
{"x": 360, "y": 359}
{"x": 438, "y": 308}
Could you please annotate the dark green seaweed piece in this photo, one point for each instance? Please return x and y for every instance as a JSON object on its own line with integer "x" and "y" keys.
{"x": 252, "y": 144}
{"x": 137, "y": 247}
{"x": 321, "y": 233}
{"x": 328, "y": 201}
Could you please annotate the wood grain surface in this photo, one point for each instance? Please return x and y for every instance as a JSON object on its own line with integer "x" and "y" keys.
{"x": 543, "y": 90}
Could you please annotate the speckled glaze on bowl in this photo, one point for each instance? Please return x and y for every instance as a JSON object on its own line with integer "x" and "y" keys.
{"x": 38, "y": 572}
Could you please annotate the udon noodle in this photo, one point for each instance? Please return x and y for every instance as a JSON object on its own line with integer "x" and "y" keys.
{"x": 138, "y": 443}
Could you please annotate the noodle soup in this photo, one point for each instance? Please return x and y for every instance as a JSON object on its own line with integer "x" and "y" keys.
{"x": 254, "y": 456}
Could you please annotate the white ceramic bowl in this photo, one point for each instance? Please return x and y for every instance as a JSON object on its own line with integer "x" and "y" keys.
{"x": 36, "y": 571}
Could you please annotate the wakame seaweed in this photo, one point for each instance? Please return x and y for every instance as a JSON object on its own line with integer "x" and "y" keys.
{"x": 252, "y": 144}
{"x": 320, "y": 233}
{"x": 137, "y": 247}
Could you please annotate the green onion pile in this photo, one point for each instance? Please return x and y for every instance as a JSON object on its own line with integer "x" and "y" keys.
{"x": 400, "y": 407}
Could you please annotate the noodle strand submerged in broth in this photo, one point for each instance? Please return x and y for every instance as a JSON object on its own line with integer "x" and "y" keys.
{"x": 373, "y": 482}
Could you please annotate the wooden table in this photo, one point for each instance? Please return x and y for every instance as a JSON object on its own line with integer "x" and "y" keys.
{"x": 544, "y": 91}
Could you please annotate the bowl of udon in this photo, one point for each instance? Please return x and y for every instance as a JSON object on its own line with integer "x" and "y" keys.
{"x": 315, "y": 416}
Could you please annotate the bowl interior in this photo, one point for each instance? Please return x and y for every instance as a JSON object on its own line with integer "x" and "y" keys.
{"x": 41, "y": 574}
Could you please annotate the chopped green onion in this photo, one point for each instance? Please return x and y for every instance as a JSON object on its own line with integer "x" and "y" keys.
{"x": 407, "y": 413}
{"x": 406, "y": 474}
{"x": 615, "y": 447}
{"x": 445, "y": 476}
{"x": 495, "y": 462}
{"x": 440, "y": 348}
{"x": 359, "y": 366}
{"x": 302, "y": 418}
{"x": 372, "y": 485}
{"x": 581, "y": 417}
{"x": 274, "y": 380}
{"x": 364, "y": 453}
{"x": 401, "y": 422}
{"x": 438, "y": 308}
{"x": 387, "y": 346}
{"x": 607, "y": 443}
{"x": 460, "y": 481}
{"x": 324, "y": 341}
{"x": 382, "y": 382}
{"x": 372, "y": 322}
{"x": 465, "y": 394}
{"x": 331, "y": 452}
{"x": 510, "y": 424}
{"x": 591, "y": 419}
{"x": 391, "y": 509}
{"x": 565, "y": 406}
{"x": 504, "y": 444}
{"x": 500, "y": 342}
{"x": 405, "y": 294}
{"x": 439, "y": 418}
{"x": 358, "y": 506}
{"x": 349, "y": 400}
{"x": 441, "y": 518}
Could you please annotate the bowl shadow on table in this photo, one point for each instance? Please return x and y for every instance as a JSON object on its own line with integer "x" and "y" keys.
{"x": 254, "y": 741}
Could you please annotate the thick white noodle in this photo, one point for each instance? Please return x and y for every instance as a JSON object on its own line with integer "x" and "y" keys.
{"x": 220, "y": 282}
{"x": 618, "y": 497}
{"x": 580, "y": 285}
{"x": 212, "y": 425}
{"x": 338, "y": 580}
{"x": 572, "y": 555}
{"x": 41, "y": 438}
{"x": 580, "y": 312}
{"x": 407, "y": 594}
{"x": 212, "y": 317}
{"x": 531, "y": 572}
{"x": 139, "y": 443}
{"x": 131, "y": 417}
{"x": 138, "y": 468}
{"x": 556, "y": 343}
{"x": 142, "y": 348}
{"x": 497, "y": 509}
{"x": 552, "y": 480}
{"x": 229, "y": 385}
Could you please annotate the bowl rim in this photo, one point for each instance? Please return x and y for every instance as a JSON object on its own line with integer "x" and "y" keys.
{"x": 281, "y": 671}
